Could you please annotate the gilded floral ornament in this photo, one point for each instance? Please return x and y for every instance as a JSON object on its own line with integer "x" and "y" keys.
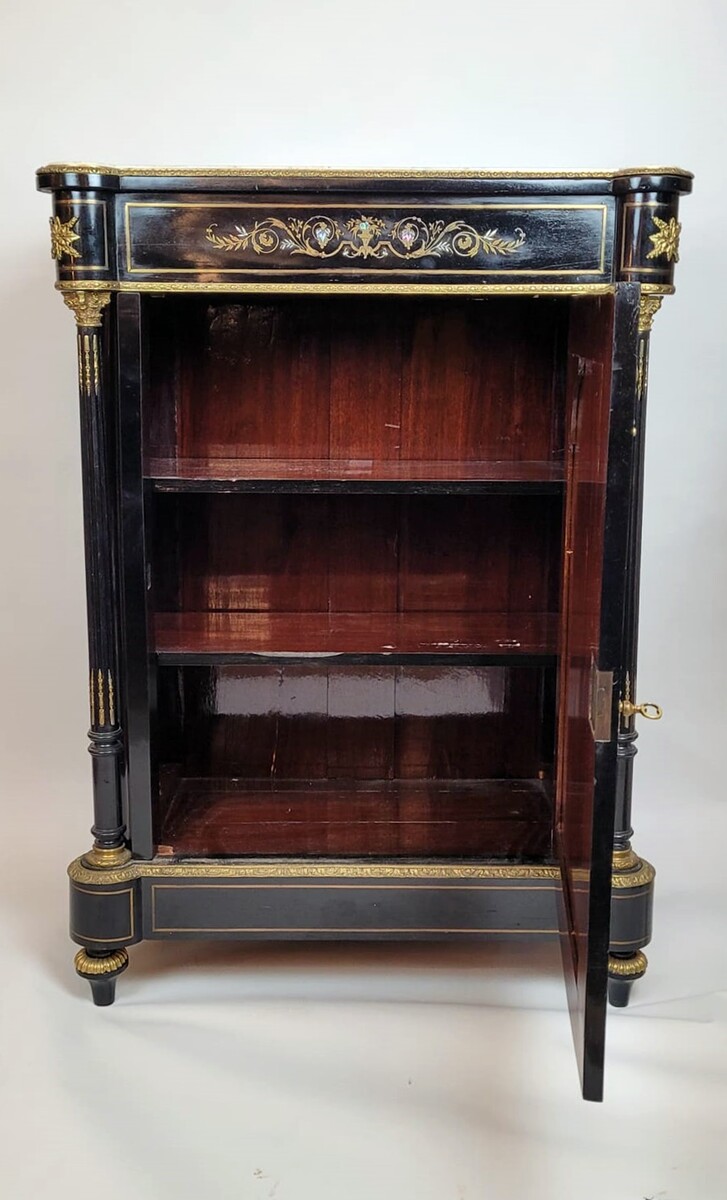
{"x": 666, "y": 239}
{"x": 62, "y": 237}
{"x": 365, "y": 236}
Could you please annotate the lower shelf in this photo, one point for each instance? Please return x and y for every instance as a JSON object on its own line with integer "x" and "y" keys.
{"x": 472, "y": 818}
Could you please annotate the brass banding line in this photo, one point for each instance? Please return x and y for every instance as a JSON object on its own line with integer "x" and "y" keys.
{"x": 335, "y": 929}
{"x": 627, "y": 268}
{"x": 313, "y": 208}
{"x": 72, "y": 202}
{"x": 105, "y": 893}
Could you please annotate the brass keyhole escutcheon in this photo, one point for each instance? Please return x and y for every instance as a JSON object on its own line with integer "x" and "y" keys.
{"x": 652, "y": 712}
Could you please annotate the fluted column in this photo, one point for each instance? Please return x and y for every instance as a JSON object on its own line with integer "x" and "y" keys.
{"x": 633, "y": 877}
{"x": 624, "y": 858}
{"x": 99, "y": 514}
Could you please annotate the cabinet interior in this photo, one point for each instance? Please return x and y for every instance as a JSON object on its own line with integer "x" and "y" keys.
{"x": 356, "y": 510}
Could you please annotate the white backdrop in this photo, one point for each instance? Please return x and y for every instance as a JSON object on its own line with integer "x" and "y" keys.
{"x": 294, "y": 1072}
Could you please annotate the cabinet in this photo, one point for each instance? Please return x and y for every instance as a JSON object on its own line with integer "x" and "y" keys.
{"x": 362, "y": 463}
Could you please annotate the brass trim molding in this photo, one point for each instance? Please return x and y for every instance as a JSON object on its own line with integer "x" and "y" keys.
{"x": 69, "y": 288}
{"x": 632, "y": 967}
{"x": 101, "y": 859}
{"x": 497, "y": 289}
{"x": 79, "y": 872}
{"x": 625, "y": 860}
{"x": 349, "y": 173}
{"x": 86, "y": 964}
{"x": 638, "y": 877}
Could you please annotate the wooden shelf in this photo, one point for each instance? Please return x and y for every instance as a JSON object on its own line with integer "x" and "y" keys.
{"x": 206, "y": 637}
{"x": 473, "y": 818}
{"x": 351, "y": 475}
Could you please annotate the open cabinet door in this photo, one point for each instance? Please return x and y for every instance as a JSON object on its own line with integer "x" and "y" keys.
{"x": 600, "y": 396}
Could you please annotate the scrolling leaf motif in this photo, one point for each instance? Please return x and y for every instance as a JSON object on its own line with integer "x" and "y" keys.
{"x": 365, "y": 237}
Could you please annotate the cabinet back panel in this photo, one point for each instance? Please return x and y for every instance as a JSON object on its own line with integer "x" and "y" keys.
{"x": 316, "y": 759}
{"x": 424, "y": 379}
{"x": 317, "y": 722}
{"x": 375, "y": 554}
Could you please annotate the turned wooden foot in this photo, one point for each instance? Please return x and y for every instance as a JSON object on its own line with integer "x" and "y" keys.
{"x": 101, "y": 969}
{"x": 623, "y": 971}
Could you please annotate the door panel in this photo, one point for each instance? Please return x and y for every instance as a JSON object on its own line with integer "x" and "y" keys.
{"x": 600, "y": 393}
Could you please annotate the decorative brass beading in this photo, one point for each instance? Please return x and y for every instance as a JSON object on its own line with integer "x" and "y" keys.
{"x": 62, "y": 237}
{"x": 628, "y": 968}
{"x": 86, "y": 304}
{"x": 79, "y": 871}
{"x": 365, "y": 237}
{"x": 86, "y": 964}
{"x": 346, "y": 288}
{"x": 348, "y": 172}
{"x": 666, "y": 239}
{"x": 649, "y": 305}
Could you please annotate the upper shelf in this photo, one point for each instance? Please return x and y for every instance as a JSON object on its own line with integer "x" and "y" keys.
{"x": 352, "y": 475}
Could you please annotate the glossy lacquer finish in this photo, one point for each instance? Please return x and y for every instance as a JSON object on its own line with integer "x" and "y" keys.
{"x": 362, "y": 471}
{"x": 358, "y": 760}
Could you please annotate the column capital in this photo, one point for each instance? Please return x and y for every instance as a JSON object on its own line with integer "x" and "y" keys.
{"x": 86, "y": 306}
{"x": 649, "y": 306}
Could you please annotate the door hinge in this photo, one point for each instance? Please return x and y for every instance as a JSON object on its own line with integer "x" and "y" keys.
{"x": 600, "y": 713}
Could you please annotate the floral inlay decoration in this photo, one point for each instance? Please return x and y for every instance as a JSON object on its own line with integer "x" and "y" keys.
{"x": 365, "y": 237}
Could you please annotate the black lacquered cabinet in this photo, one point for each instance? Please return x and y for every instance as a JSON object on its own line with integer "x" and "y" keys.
{"x": 362, "y": 462}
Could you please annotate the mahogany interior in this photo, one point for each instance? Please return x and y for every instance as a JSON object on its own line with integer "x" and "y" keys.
{"x": 358, "y": 554}
{"x": 356, "y": 378}
{"x": 317, "y": 759}
{"x": 377, "y": 480}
